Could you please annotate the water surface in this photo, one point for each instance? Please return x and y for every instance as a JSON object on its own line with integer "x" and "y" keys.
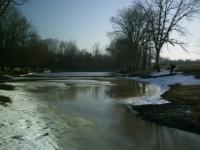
{"x": 82, "y": 114}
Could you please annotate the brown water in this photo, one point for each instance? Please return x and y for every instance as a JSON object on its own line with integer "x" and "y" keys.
{"x": 84, "y": 115}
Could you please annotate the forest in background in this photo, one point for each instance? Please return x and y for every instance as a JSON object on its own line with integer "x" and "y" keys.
{"x": 22, "y": 47}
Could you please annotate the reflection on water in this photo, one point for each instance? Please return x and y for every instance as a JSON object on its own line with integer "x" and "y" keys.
{"x": 88, "y": 115}
{"x": 115, "y": 89}
{"x": 126, "y": 89}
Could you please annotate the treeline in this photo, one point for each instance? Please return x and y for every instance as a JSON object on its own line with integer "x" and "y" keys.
{"x": 141, "y": 30}
{"x": 139, "y": 34}
{"x": 22, "y": 47}
{"x": 167, "y": 62}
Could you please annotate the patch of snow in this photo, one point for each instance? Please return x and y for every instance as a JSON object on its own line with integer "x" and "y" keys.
{"x": 21, "y": 123}
{"x": 146, "y": 100}
{"x": 8, "y": 76}
{"x": 87, "y": 82}
{"x": 73, "y": 74}
{"x": 28, "y": 74}
{"x": 162, "y": 72}
{"x": 164, "y": 83}
{"x": 35, "y": 85}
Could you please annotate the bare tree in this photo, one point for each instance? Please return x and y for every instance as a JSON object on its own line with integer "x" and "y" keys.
{"x": 128, "y": 25}
{"x": 165, "y": 17}
{"x": 132, "y": 24}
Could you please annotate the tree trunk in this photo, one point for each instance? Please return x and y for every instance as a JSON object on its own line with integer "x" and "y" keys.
{"x": 157, "y": 63}
{"x": 144, "y": 59}
{"x": 150, "y": 58}
{"x": 138, "y": 60}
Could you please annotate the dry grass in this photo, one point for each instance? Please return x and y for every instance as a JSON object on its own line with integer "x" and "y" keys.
{"x": 190, "y": 69}
{"x": 189, "y": 94}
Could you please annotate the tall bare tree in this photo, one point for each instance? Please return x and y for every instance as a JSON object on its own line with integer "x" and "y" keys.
{"x": 165, "y": 17}
{"x": 132, "y": 24}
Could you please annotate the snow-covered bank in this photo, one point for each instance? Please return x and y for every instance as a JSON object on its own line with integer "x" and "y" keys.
{"x": 163, "y": 81}
{"x": 21, "y": 125}
{"x": 73, "y": 74}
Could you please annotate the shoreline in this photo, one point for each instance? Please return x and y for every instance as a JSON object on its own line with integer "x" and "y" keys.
{"x": 179, "y": 113}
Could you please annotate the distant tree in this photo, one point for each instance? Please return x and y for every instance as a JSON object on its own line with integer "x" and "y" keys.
{"x": 34, "y": 55}
{"x": 120, "y": 52}
{"x": 97, "y": 54}
{"x": 96, "y": 49}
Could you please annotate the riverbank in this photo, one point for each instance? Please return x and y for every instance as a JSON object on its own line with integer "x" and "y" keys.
{"x": 183, "y": 93}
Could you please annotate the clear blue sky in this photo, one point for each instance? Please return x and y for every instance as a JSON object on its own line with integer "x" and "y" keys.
{"x": 88, "y": 21}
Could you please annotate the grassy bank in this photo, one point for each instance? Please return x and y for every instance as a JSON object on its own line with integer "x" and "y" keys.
{"x": 190, "y": 69}
{"x": 183, "y": 112}
{"x": 187, "y": 95}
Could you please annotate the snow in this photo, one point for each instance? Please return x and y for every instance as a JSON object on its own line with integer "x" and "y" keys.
{"x": 146, "y": 100}
{"x": 28, "y": 74}
{"x": 8, "y": 76}
{"x": 162, "y": 72}
{"x": 162, "y": 79}
{"x": 166, "y": 81}
{"x": 22, "y": 122}
{"x": 73, "y": 74}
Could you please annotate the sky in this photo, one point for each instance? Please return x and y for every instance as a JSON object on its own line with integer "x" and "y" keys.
{"x": 88, "y": 22}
